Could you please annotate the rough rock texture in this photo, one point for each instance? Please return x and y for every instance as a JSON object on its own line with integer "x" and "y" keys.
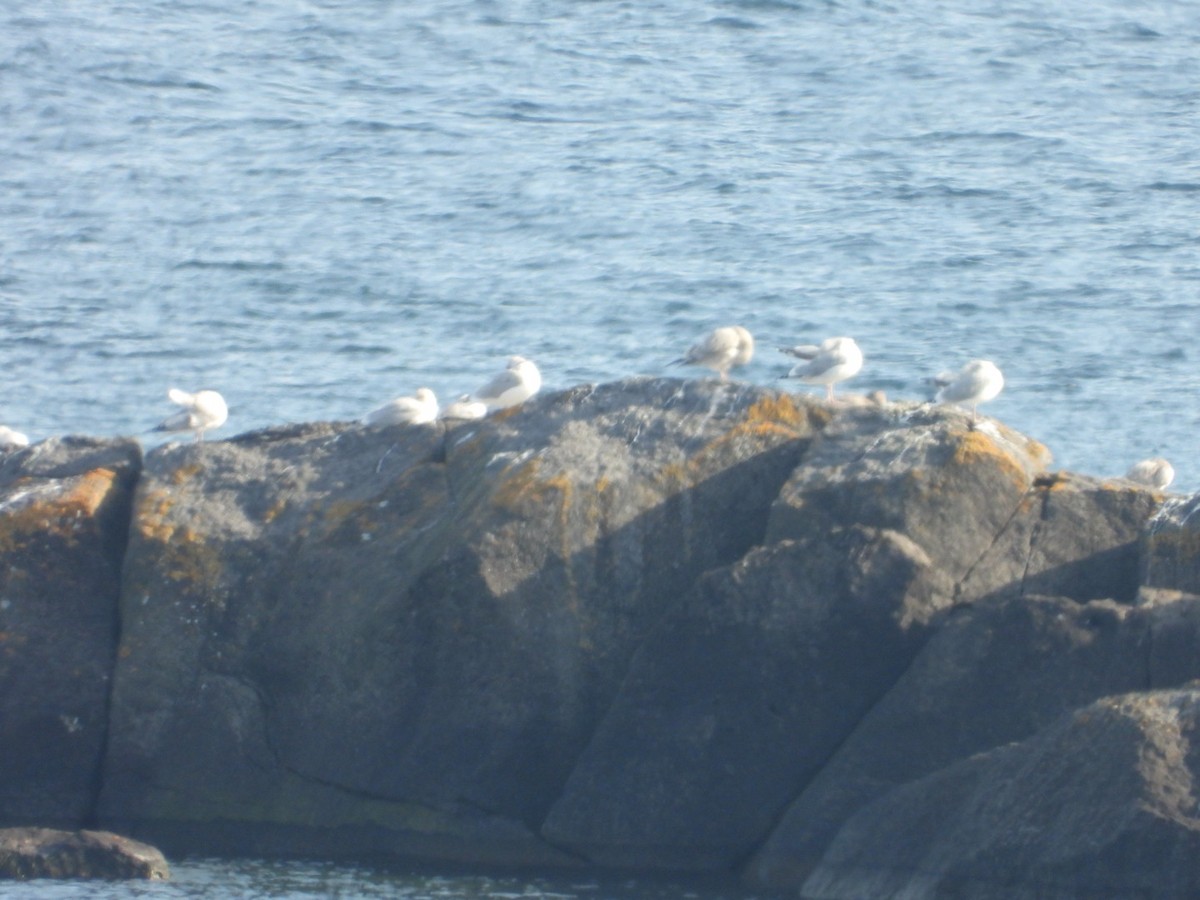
{"x": 1102, "y": 803}
{"x": 742, "y": 694}
{"x": 658, "y": 623}
{"x": 996, "y": 672}
{"x": 412, "y": 633}
{"x": 45, "y": 853}
{"x": 64, "y": 508}
{"x": 1171, "y": 548}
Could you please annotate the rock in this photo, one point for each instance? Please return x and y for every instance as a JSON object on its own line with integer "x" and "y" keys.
{"x": 921, "y": 471}
{"x": 740, "y": 697}
{"x": 1071, "y": 536}
{"x": 413, "y": 632}
{"x": 1102, "y": 803}
{"x": 45, "y": 853}
{"x": 64, "y": 512}
{"x": 995, "y": 673}
{"x": 1170, "y": 551}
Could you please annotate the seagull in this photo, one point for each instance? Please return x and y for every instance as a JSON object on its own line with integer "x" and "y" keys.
{"x": 976, "y": 382}
{"x": 512, "y": 387}
{"x": 833, "y": 360}
{"x": 721, "y": 350}
{"x": 1155, "y": 472}
{"x": 417, "y": 410}
{"x": 465, "y": 408}
{"x": 201, "y": 411}
{"x": 11, "y": 439}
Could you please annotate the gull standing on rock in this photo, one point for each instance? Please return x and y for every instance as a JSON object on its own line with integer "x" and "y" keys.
{"x": 417, "y": 410}
{"x": 512, "y": 387}
{"x": 833, "y": 360}
{"x": 11, "y": 439}
{"x": 977, "y": 382}
{"x": 201, "y": 411}
{"x": 465, "y": 408}
{"x": 721, "y": 350}
{"x": 1155, "y": 472}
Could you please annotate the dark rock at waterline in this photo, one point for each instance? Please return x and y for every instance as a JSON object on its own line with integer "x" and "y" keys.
{"x": 1101, "y": 803}
{"x": 741, "y": 695}
{"x": 656, "y": 623}
{"x": 64, "y": 517}
{"x": 46, "y": 853}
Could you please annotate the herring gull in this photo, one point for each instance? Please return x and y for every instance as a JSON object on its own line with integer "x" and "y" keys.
{"x": 201, "y": 411}
{"x": 11, "y": 439}
{"x": 1155, "y": 472}
{"x": 416, "y": 410}
{"x": 976, "y": 382}
{"x": 512, "y": 387}
{"x": 720, "y": 350}
{"x": 833, "y": 360}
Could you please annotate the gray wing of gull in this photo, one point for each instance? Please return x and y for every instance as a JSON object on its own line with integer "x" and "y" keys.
{"x": 802, "y": 351}
{"x": 181, "y": 421}
{"x": 505, "y": 381}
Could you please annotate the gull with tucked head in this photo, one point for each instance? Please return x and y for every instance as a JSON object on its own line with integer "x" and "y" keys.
{"x": 419, "y": 409}
{"x": 829, "y": 362}
{"x": 201, "y": 411}
{"x": 1155, "y": 472}
{"x": 720, "y": 350}
{"x": 11, "y": 439}
{"x": 512, "y": 387}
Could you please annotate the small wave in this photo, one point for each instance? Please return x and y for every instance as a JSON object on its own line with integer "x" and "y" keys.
{"x": 734, "y": 23}
{"x": 234, "y": 265}
{"x": 1184, "y": 187}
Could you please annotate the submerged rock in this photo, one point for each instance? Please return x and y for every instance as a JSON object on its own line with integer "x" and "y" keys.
{"x": 45, "y": 853}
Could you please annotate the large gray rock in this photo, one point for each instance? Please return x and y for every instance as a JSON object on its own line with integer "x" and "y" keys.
{"x": 995, "y": 673}
{"x": 740, "y": 697}
{"x": 923, "y": 472}
{"x": 45, "y": 853}
{"x": 64, "y": 512}
{"x": 1101, "y": 803}
{"x": 411, "y": 633}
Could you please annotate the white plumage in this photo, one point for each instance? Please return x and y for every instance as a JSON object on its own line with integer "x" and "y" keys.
{"x": 419, "y": 409}
{"x": 465, "y": 408}
{"x": 512, "y": 387}
{"x": 830, "y": 362}
{"x": 1155, "y": 472}
{"x": 720, "y": 350}
{"x": 11, "y": 439}
{"x": 201, "y": 411}
{"x": 977, "y": 382}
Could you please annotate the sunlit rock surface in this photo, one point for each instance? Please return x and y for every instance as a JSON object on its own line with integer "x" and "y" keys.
{"x": 27, "y": 853}
{"x": 655, "y": 624}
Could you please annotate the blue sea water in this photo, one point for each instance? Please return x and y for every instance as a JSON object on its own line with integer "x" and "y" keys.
{"x": 316, "y": 205}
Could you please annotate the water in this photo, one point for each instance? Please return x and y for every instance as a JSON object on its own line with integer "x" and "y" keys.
{"x": 315, "y": 206}
{"x": 244, "y": 879}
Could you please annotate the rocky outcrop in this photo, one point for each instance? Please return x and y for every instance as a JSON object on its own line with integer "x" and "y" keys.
{"x": 1099, "y": 804}
{"x": 64, "y": 517}
{"x": 45, "y": 853}
{"x": 656, "y": 624}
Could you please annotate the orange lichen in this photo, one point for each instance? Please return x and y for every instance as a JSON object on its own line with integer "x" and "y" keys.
{"x": 56, "y": 513}
{"x": 183, "y": 473}
{"x": 974, "y": 448}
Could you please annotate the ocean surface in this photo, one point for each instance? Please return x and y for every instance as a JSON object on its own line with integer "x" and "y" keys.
{"x": 273, "y": 880}
{"x": 316, "y": 205}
